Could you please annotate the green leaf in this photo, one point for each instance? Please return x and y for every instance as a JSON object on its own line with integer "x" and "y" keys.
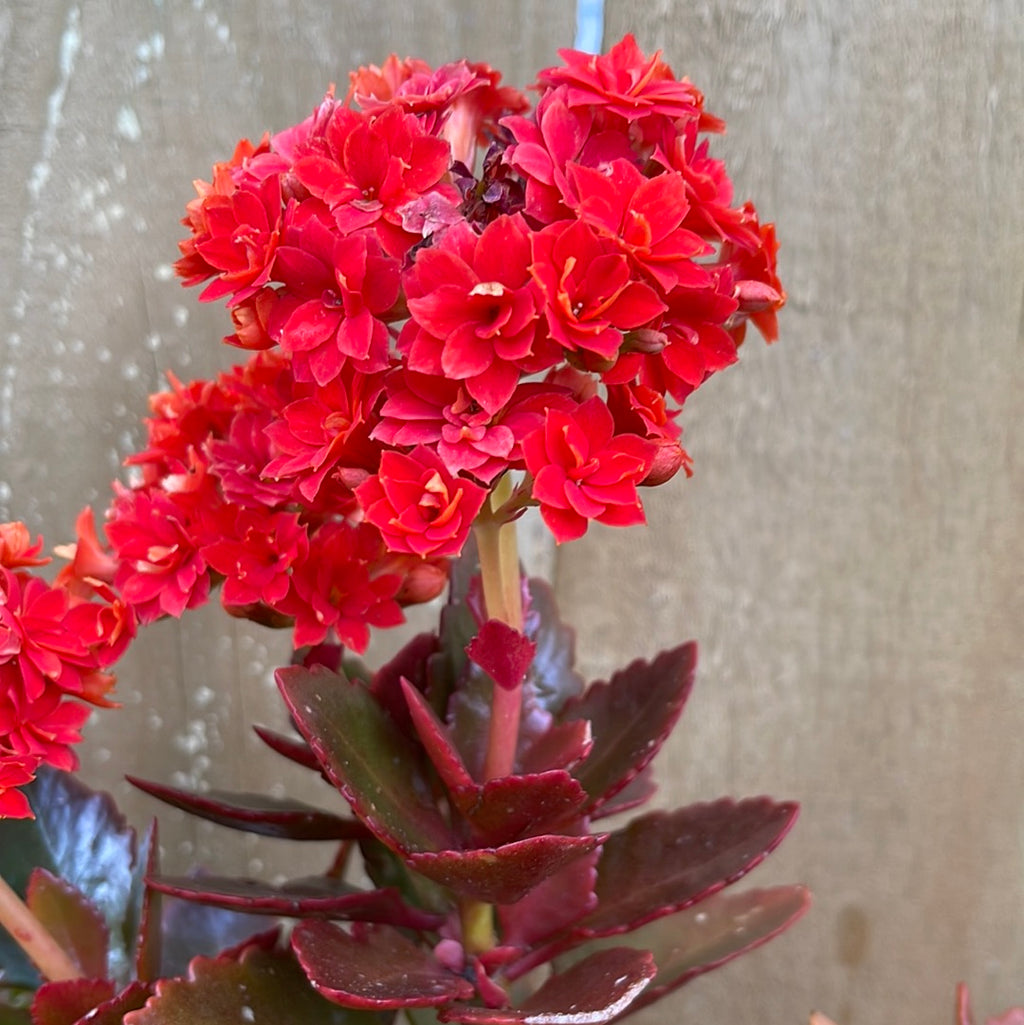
{"x": 259, "y": 987}
{"x": 366, "y": 756}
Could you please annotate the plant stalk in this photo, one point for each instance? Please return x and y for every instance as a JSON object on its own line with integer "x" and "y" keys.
{"x": 32, "y": 936}
{"x": 503, "y": 599}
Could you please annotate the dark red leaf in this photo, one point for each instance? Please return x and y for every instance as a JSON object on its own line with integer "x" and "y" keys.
{"x": 112, "y": 1011}
{"x": 596, "y": 990}
{"x": 666, "y": 861}
{"x": 630, "y": 717}
{"x": 552, "y": 677}
{"x": 319, "y": 896}
{"x": 72, "y": 919}
{"x": 514, "y": 807}
{"x": 555, "y": 904}
{"x": 706, "y": 936}
{"x": 502, "y": 875}
{"x": 63, "y": 1003}
{"x": 410, "y": 663}
{"x": 259, "y": 985}
{"x": 638, "y": 791}
{"x": 292, "y": 748}
{"x": 257, "y": 813}
{"x": 366, "y": 756}
{"x": 560, "y": 746}
{"x": 502, "y": 652}
{"x": 374, "y": 968}
{"x": 434, "y": 737}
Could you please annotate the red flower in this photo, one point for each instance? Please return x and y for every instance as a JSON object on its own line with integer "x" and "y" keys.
{"x": 345, "y": 585}
{"x": 15, "y": 771}
{"x": 473, "y": 311}
{"x": 644, "y": 215}
{"x": 161, "y": 570}
{"x": 418, "y": 505}
{"x": 44, "y": 728}
{"x": 235, "y": 229}
{"x": 583, "y": 471}
{"x": 16, "y": 548}
{"x": 91, "y": 560}
{"x": 337, "y": 289}
{"x": 625, "y": 82}
{"x": 255, "y": 552}
{"x": 590, "y": 295}
{"x": 366, "y": 168}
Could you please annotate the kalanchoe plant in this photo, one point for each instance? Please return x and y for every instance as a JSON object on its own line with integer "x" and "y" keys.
{"x": 436, "y": 347}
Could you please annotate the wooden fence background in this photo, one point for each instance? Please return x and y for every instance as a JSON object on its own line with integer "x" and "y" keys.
{"x": 849, "y": 553}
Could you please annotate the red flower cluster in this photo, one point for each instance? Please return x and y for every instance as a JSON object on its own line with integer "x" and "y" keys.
{"x": 55, "y": 644}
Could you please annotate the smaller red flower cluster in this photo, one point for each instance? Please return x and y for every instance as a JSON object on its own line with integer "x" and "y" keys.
{"x": 55, "y": 644}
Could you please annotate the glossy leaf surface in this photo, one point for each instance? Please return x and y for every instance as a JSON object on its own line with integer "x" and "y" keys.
{"x": 666, "y": 861}
{"x": 72, "y": 920}
{"x": 63, "y": 1003}
{"x": 366, "y": 756}
{"x": 502, "y": 875}
{"x": 630, "y": 717}
{"x": 375, "y": 968}
{"x": 596, "y": 990}
{"x": 258, "y": 986}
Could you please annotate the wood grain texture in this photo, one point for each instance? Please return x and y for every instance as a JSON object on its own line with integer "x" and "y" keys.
{"x": 849, "y": 552}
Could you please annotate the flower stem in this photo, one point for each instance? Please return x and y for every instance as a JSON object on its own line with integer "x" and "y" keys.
{"x": 32, "y": 936}
{"x": 499, "y": 575}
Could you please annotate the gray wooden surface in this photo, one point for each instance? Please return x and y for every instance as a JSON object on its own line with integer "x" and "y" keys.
{"x": 849, "y": 553}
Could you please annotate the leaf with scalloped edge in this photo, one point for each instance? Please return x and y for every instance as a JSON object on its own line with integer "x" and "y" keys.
{"x": 374, "y": 967}
{"x": 502, "y": 875}
{"x": 664, "y": 862}
{"x": 433, "y": 735}
{"x": 638, "y": 791}
{"x": 257, "y": 813}
{"x": 552, "y": 906}
{"x": 66, "y": 1001}
{"x": 511, "y": 808}
{"x": 706, "y": 936}
{"x": 630, "y": 717}
{"x": 320, "y": 896}
{"x": 410, "y": 664}
{"x": 366, "y": 756}
{"x": 595, "y": 991}
{"x": 71, "y": 919}
{"x": 256, "y": 985}
{"x": 559, "y": 746}
{"x": 112, "y": 1011}
{"x": 502, "y": 652}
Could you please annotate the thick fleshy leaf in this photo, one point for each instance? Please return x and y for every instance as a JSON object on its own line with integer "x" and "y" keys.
{"x": 667, "y": 861}
{"x": 638, "y": 791}
{"x": 63, "y": 1003}
{"x": 387, "y": 869}
{"x": 366, "y": 756}
{"x": 257, "y": 813}
{"x": 72, "y": 920}
{"x": 319, "y": 896}
{"x": 552, "y": 906}
{"x": 374, "y": 967}
{"x": 560, "y": 746}
{"x": 258, "y": 986}
{"x": 409, "y": 664}
{"x": 630, "y": 716}
{"x": 706, "y": 936}
{"x": 292, "y": 748}
{"x": 112, "y": 1011}
{"x": 514, "y": 807}
{"x": 596, "y": 990}
{"x": 502, "y": 875}
{"x": 81, "y": 837}
{"x": 435, "y": 740}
